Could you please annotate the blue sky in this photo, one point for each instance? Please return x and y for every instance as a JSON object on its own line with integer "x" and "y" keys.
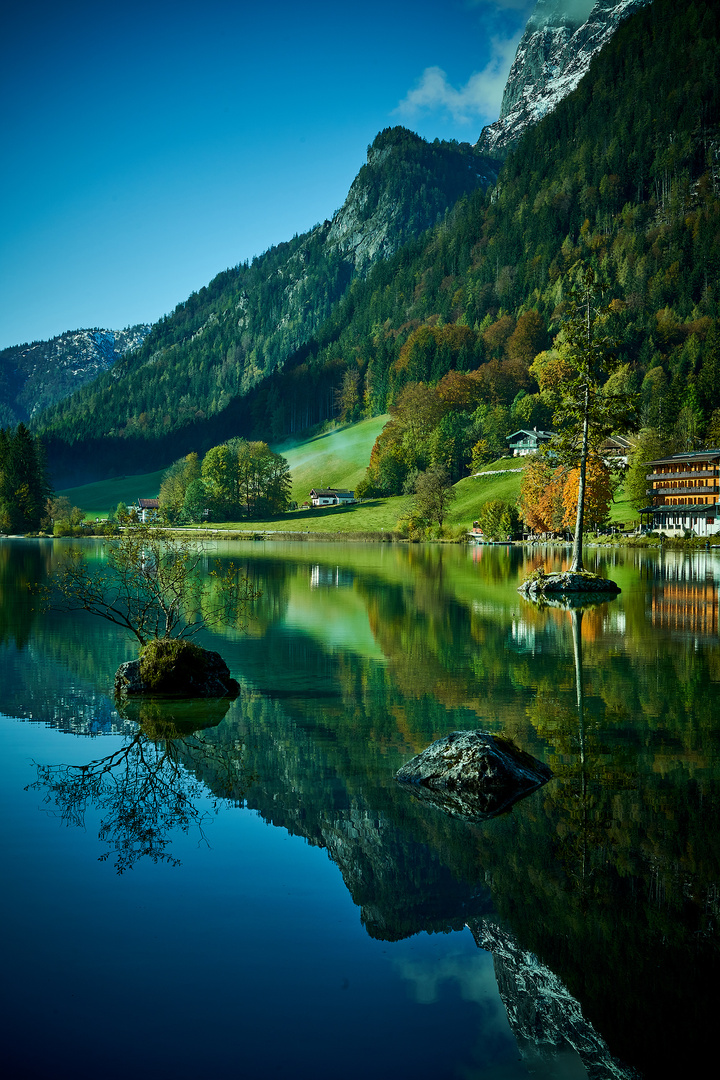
{"x": 148, "y": 146}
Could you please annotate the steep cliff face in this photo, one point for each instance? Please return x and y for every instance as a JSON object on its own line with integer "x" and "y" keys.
{"x": 32, "y": 377}
{"x": 560, "y": 40}
{"x": 405, "y": 187}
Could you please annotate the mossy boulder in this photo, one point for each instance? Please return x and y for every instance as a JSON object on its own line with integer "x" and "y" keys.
{"x": 177, "y": 668}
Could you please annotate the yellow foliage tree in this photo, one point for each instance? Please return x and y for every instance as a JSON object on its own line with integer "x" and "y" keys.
{"x": 541, "y": 496}
{"x": 598, "y": 494}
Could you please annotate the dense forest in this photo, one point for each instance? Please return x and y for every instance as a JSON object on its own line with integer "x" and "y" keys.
{"x": 624, "y": 176}
{"x": 24, "y": 484}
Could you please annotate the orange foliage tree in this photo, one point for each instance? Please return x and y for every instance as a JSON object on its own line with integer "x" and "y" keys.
{"x": 598, "y": 494}
{"x": 541, "y": 496}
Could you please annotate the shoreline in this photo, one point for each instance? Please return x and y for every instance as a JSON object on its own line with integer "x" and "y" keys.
{"x": 662, "y": 543}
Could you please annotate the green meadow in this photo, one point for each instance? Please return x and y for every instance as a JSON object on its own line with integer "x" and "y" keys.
{"x": 337, "y": 458}
{"x": 98, "y": 499}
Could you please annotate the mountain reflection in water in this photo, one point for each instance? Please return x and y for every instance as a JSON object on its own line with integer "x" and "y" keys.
{"x": 597, "y": 895}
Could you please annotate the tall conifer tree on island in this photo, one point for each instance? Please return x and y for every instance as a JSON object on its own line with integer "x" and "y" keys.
{"x": 585, "y": 410}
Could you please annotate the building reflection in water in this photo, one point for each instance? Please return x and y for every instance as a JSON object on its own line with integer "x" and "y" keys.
{"x": 685, "y": 598}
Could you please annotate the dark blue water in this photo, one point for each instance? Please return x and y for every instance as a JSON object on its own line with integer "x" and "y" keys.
{"x": 260, "y": 898}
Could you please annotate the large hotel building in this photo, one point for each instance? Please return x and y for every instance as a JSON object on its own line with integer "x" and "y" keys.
{"x": 685, "y": 489}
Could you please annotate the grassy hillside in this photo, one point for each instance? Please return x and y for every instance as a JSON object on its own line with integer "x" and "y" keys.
{"x": 336, "y": 459}
{"x": 474, "y": 491}
{"x": 98, "y": 499}
{"x": 383, "y": 514}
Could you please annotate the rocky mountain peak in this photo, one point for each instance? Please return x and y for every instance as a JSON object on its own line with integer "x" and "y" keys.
{"x": 404, "y": 188}
{"x": 560, "y": 40}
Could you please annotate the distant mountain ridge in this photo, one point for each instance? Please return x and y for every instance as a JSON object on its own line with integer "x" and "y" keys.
{"x": 553, "y": 55}
{"x": 37, "y": 375}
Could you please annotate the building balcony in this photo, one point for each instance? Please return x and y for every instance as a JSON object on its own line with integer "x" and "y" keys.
{"x": 697, "y": 491}
{"x": 696, "y": 474}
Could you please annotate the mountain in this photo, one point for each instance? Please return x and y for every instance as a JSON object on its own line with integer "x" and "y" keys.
{"x": 560, "y": 40}
{"x": 406, "y": 186}
{"x": 35, "y": 376}
{"x": 622, "y": 175}
{"x": 251, "y": 320}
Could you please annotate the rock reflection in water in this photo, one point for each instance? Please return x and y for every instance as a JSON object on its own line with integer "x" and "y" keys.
{"x": 553, "y": 1036}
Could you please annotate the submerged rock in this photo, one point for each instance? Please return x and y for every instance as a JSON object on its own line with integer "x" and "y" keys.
{"x": 176, "y": 668}
{"x": 568, "y": 581}
{"x": 473, "y": 775}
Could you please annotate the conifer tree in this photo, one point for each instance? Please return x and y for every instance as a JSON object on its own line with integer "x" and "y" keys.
{"x": 24, "y": 484}
{"x": 585, "y": 412}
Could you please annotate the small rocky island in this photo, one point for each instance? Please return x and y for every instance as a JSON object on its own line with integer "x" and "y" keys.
{"x": 473, "y": 775}
{"x": 177, "y": 668}
{"x": 566, "y": 582}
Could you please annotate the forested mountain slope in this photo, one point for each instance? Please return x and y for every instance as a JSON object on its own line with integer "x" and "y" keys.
{"x": 225, "y": 339}
{"x": 623, "y": 174}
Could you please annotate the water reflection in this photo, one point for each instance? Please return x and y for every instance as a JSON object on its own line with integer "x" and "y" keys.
{"x": 146, "y": 791}
{"x": 606, "y": 881}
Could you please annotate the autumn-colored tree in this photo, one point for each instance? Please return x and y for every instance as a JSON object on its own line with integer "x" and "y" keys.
{"x": 550, "y": 369}
{"x": 541, "y": 495}
{"x": 461, "y": 390}
{"x": 497, "y": 335}
{"x": 501, "y": 380}
{"x": 348, "y": 397}
{"x": 527, "y": 339}
{"x": 598, "y": 495}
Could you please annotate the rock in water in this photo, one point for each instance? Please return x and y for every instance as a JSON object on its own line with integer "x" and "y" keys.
{"x": 473, "y": 775}
{"x": 567, "y": 582}
{"x": 177, "y": 668}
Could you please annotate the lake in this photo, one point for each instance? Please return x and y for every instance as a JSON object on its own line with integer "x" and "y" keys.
{"x": 242, "y": 888}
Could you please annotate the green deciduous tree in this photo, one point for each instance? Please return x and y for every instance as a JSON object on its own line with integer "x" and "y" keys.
{"x": 650, "y": 445}
{"x": 498, "y": 519}
{"x": 175, "y": 483}
{"x": 433, "y": 495}
{"x": 245, "y": 479}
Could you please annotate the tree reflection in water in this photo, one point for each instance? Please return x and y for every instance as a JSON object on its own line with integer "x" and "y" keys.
{"x": 150, "y": 788}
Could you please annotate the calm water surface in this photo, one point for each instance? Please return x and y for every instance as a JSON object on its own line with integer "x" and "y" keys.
{"x": 242, "y": 889}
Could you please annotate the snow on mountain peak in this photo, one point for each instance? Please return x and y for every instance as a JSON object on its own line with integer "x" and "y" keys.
{"x": 560, "y": 40}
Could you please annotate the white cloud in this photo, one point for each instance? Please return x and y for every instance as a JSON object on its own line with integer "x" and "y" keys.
{"x": 478, "y": 99}
{"x": 502, "y": 5}
{"x": 578, "y": 9}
